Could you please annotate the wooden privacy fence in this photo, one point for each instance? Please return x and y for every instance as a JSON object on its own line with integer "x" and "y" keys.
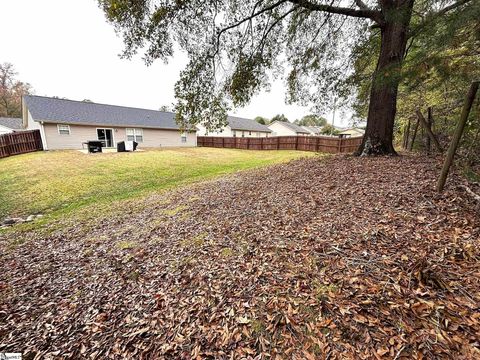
{"x": 20, "y": 142}
{"x": 326, "y": 144}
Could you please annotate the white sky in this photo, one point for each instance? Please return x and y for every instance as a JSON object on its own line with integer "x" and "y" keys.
{"x": 66, "y": 48}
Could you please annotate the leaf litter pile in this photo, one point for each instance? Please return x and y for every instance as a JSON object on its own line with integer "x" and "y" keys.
{"x": 343, "y": 258}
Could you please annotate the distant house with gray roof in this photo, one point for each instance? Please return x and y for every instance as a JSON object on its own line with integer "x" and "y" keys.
{"x": 313, "y": 130}
{"x": 9, "y": 125}
{"x": 67, "y": 124}
{"x": 237, "y": 127}
{"x": 286, "y": 128}
{"x": 351, "y": 132}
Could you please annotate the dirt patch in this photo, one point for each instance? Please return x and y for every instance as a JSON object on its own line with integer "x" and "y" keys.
{"x": 337, "y": 258}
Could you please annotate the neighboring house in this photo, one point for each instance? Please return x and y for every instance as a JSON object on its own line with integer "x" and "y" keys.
{"x": 67, "y": 124}
{"x": 9, "y": 125}
{"x": 313, "y": 130}
{"x": 286, "y": 128}
{"x": 237, "y": 127}
{"x": 352, "y": 132}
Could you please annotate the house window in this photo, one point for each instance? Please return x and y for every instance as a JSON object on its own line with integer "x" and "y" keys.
{"x": 234, "y": 133}
{"x": 63, "y": 129}
{"x": 135, "y": 135}
{"x": 249, "y": 133}
{"x": 184, "y": 137}
{"x": 243, "y": 133}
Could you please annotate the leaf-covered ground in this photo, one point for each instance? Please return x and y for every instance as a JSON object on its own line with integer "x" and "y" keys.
{"x": 343, "y": 258}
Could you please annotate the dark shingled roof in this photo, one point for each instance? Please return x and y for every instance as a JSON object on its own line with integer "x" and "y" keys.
{"x": 88, "y": 113}
{"x": 294, "y": 127}
{"x": 237, "y": 123}
{"x": 12, "y": 123}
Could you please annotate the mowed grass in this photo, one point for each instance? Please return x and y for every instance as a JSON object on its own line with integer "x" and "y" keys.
{"x": 61, "y": 182}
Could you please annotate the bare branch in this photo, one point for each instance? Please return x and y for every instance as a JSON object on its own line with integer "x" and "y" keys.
{"x": 360, "y": 13}
{"x": 248, "y": 18}
{"x": 265, "y": 34}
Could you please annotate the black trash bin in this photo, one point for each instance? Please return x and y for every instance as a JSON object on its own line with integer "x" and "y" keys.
{"x": 94, "y": 146}
{"x": 121, "y": 146}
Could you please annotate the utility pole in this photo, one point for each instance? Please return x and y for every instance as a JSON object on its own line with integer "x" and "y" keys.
{"x": 334, "y": 108}
{"x": 333, "y": 117}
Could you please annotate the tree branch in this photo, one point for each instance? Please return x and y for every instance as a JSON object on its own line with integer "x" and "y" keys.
{"x": 432, "y": 17}
{"x": 363, "y": 12}
{"x": 359, "y": 13}
{"x": 265, "y": 34}
{"x": 240, "y": 22}
{"x": 362, "y": 5}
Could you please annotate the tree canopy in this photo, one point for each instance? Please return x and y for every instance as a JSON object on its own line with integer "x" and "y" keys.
{"x": 329, "y": 129}
{"x": 262, "y": 120}
{"x": 11, "y": 91}
{"x": 311, "y": 120}
{"x": 236, "y": 48}
{"x": 439, "y": 65}
{"x": 279, "y": 117}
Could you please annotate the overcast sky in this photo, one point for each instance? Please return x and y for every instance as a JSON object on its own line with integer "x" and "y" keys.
{"x": 66, "y": 48}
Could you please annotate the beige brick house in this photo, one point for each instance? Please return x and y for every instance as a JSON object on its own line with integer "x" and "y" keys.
{"x": 67, "y": 124}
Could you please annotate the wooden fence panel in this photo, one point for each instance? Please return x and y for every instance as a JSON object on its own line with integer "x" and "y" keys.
{"x": 270, "y": 143}
{"x": 20, "y": 143}
{"x": 328, "y": 144}
{"x": 351, "y": 144}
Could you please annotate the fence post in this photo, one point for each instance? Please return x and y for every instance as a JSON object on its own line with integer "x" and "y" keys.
{"x": 248, "y": 143}
{"x": 340, "y": 144}
{"x": 278, "y": 142}
{"x": 317, "y": 144}
{"x": 296, "y": 142}
{"x": 223, "y": 142}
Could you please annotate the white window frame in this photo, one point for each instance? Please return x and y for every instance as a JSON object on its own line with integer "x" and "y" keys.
{"x": 136, "y": 132}
{"x": 65, "y": 127}
{"x": 183, "y": 137}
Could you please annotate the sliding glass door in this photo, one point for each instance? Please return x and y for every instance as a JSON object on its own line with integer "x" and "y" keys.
{"x": 105, "y": 136}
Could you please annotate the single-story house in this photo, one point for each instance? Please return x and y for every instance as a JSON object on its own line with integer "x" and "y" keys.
{"x": 67, "y": 124}
{"x": 9, "y": 125}
{"x": 313, "y": 130}
{"x": 352, "y": 132}
{"x": 237, "y": 127}
{"x": 286, "y": 128}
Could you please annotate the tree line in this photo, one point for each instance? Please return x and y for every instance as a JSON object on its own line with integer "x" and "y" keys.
{"x": 11, "y": 91}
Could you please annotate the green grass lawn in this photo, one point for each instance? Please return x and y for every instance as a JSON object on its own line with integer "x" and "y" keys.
{"x": 60, "y": 182}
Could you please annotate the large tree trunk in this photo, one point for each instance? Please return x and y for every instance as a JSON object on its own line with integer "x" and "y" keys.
{"x": 378, "y": 139}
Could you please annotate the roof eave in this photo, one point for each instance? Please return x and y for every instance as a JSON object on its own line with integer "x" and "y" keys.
{"x": 110, "y": 125}
{"x": 234, "y": 128}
